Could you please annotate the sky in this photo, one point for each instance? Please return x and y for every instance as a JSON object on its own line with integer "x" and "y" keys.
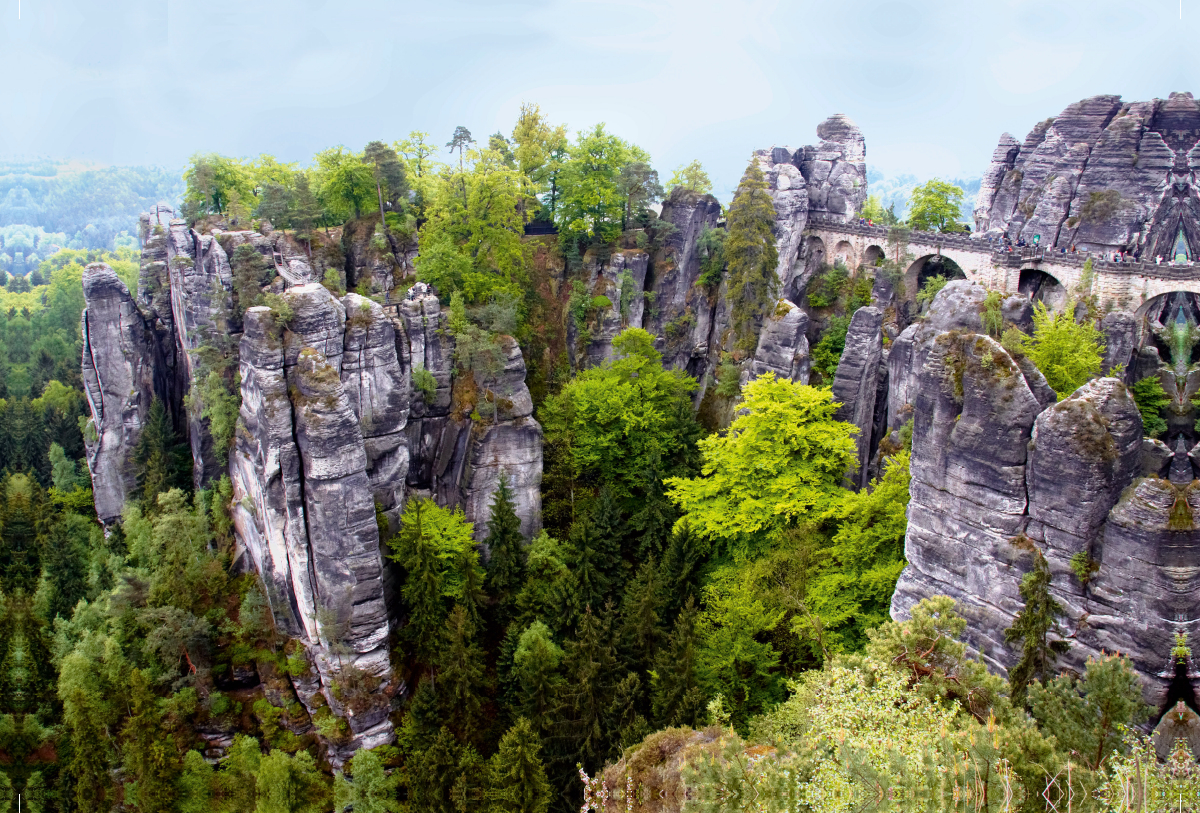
{"x": 931, "y": 84}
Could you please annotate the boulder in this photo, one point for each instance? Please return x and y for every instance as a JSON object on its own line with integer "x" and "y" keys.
{"x": 783, "y": 345}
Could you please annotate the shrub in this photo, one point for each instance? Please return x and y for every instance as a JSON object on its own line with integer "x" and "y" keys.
{"x": 1151, "y": 400}
{"x": 827, "y": 353}
{"x": 931, "y": 288}
{"x": 424, "y": 383}
{"x": 1067, "y": 352}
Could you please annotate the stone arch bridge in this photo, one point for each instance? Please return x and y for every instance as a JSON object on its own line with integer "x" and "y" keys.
{"x": 1127, "y": 285}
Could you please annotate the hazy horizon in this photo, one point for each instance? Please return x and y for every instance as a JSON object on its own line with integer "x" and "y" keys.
{"x": 932, "y": 85}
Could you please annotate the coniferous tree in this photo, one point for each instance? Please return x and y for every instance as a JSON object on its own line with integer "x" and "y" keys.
{"x": 641, "y": 614}
{"x": 591, "y": 673}
{"x": 589, "y": 564}
{"x": 432, "y": 774}
{"x": 535, "y": 670}
{"x": 149, "y": 758}
{"x": 1032, "y": 628}
{"x": 159, "y": 456}
{"x": 751, "y": 254}
{"x": 371, "y": 789}
{"x": 608, "y": 526}
{"x": 422, "y": 590}
{"x": 676, "y": 698}
{"x": 506, "y": 547}
{"x": 517, "y": 776}
{"x": 460, "y": 683}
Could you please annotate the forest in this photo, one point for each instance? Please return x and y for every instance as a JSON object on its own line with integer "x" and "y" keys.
{"x": 705, "y": 610}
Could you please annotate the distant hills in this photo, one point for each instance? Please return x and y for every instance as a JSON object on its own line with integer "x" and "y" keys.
{"x": 89, "y": 206}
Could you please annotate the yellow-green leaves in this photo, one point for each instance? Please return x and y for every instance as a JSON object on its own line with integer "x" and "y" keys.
{"x": 782, "y": 459}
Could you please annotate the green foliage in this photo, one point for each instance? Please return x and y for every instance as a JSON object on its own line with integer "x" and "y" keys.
{"x": 506, "y": 552}
{"x": 751, "y": 254}
{"x": 1084, "y": 567}
{"x": 935, "y": 206}
{"x": 614, "y": 422}
{"x": 1067, "y": 352}
{"x": 1091, "y": 717}
{"x": 517, "y": 776}
{"x": 1151, "y": 400}
{"x": 991, "y": 314}
{"x": 1100, "y": 206}
{"x": 691, "y": 177}
{"x": 729, "y": 375}
{"x": 783, "y": 458}
{"x": 828, "y": 286}
{"x": 827, "y": 352}
{"x": 930, "y": 288}
{"x": 710, "y": 245}
{"x": 161, "y": 457}
{"x": 592, "y": 202}
{"x": 1032, "y": 628}
{"x": 424, "y": 383}
{"x": 371, "y": 791}
{"x": 436, "y": 548}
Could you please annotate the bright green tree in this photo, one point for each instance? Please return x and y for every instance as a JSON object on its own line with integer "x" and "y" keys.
{"x": 935, "y": 206}
{"x": 1068, "y": 353}
{"x": 345, "y": 183}
{"x": 692, "y": 177}
{"x": 540, "y": 150}
{"x": 212, "y": 181}
{"x": 289, "y": 783}
{"x": 782, "y": 459}
{"x": 1151, "y": 400}
{"x": 591, "y": 202}
{"x": 517, "y": 777}
{"x": 751, "y": 255}
{"x": 615, "y": 421}
{"x": 536, "y": 662}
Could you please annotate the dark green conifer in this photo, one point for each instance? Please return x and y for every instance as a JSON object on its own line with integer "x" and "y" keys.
{"x": 676, "y": 699}
{"x": 517, "y": 775}
{"x": 1032, "y": 628}
{"x": 506, "y": 547}
{"x": 460, "y": 683}
{"x": 751, "y": 254}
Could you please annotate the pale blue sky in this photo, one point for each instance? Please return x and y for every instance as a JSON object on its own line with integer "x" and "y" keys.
{"x": 932, "y": 84}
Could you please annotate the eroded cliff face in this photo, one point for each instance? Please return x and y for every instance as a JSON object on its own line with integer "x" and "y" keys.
{"x": 330, "y": 427}
{"x": 1003, "y": 471}
{"x": 1104, "y": 174}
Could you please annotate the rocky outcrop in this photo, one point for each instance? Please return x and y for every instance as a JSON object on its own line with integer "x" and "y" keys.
{"x": 1003, "y": 472}
{"x": 857, "y": 381}
{"x": 456, "y": 459}
{"x": 119, "y": 372}
{"x": 620, "y": 278}
{"x": 835, "y": 170}
{"x": 304, "y": 514}
{"x": 1120, "y": 342}
{"x": 1102, "y": 175}
{"x": 789, "y": 193}
{"x": 783, "y": 345}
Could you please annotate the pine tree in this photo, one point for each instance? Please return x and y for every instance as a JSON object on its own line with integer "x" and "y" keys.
{"x": 431, "y": 775}
{"x": 676, "y": 698}
{"x": 65, "y": 563}
{"x": 1032, "y": 627}
{"x": 518, "y": 778}
{"x": 608, "y": 525}
{"x": 751, "y": 254}
{"x": 506, "y": 546}
{"x": 460, "y": 685}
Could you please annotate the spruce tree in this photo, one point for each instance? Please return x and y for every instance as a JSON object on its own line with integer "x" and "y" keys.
{"x": 589, "y": 565}
{"x": 676, "y": 698}
{"x": 422, "y": 590}
{"x": 159, "y": 457}
{"x": 460, "y": 686}
{"x": 535, "y": 670}
{"x": 506, "y": 546}
{"x": 591, "y": 673}
{"x": 608, "y": 524}
{"x": 149, "y": 757}
{"x": 371, "y": 789}
{"x": 752, "y": 256}
{"x": 641, "y": 613}
{"x": 517, "y": 775}
{"x": 1032, "y": 628}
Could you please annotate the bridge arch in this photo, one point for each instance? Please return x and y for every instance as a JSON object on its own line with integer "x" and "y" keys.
{"x": 931, "y": 265}
{"x": 844, "y": 251}
{"x": 873, "y": 255}
{"x": 1042, "y": 287}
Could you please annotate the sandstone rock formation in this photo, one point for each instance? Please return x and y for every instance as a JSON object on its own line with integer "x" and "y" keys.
{"x": 857, "y": 381}
{"x": 119, "y": 371}
{"x": 1002, "y": 472}
{"x": 1102, "y": 175}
